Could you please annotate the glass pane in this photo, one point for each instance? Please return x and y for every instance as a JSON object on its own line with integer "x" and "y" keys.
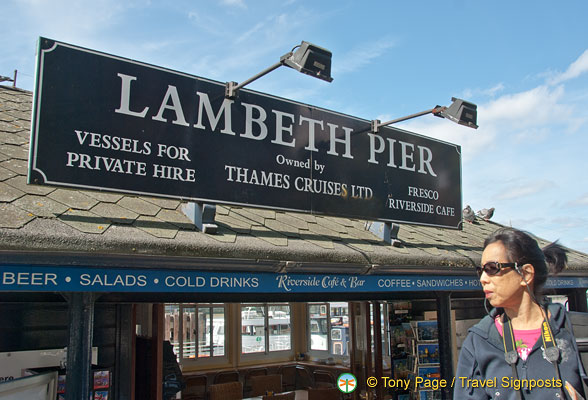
{"x": 279, "y": 328}
{"x": 218, "y": 327}
{"x": 339, "y": 328}
{"x": 189, "y": 332}
{"x": 318, "y": 326}
{"x": 252, "y": 329}
{"x": 172, "y": 326}
{"x": 204, "y": 329}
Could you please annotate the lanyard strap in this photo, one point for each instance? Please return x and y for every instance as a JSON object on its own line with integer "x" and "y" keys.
{"x": 510, "y": 348}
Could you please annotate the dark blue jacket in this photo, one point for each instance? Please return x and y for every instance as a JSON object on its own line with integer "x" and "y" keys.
{"x": 482, "y": 364}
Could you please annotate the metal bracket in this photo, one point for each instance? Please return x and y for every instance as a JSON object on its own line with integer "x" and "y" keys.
{"x": 387, "y": 231}
{"x": 202, "y": 215}
{"x": 375, "y": 125}
{"x": 231, "y": 90}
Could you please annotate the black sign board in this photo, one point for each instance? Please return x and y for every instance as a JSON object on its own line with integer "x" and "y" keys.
{"x": 108, "y": 123}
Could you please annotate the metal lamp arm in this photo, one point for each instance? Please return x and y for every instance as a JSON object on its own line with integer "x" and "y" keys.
{"x": 376, "y": 124}
{"x": 232, "y": 87}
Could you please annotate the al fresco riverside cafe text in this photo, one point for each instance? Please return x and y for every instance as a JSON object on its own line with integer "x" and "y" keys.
{"x": 105, "y": 122}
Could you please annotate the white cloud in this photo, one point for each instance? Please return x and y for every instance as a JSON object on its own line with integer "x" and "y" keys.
{"x": 257, "y": 47}
{"x": 575, "y": 69}
{"x": 536, "y": 134}
{"x": 519, "y": 223}
{"x": 245, "y": 36}
{"x": 362, "y": 55}
{"x": 532, "y": 107}
{"x": 581, "y": 201}
{"x": 234, "y": 3}
{"x": 208, "y": 24}
{"x": 472, "y": 142}
{"x": 67, "y": 20}
{"x": 520, "y": 189}
{"x": 385, "y": 117}
{"x": 489, "y": 92}
{"x": 524, "y": 117}
{"x": 568, "y": 222}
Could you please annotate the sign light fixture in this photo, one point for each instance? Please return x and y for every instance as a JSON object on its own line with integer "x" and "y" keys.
{"x": 308, "y": 59}
{"x": 460, "y": 112}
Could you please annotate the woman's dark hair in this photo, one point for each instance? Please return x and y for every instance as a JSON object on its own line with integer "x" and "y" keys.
{"x": 523, "y": 249}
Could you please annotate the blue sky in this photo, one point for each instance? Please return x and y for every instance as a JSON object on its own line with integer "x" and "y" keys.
{"x": 524, "y": 63}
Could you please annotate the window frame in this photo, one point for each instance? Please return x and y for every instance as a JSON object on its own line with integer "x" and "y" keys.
{"x": 266, "y": 327}
{"x": 179, "y": 348}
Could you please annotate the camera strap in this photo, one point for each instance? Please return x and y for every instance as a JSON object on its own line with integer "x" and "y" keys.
{"x": 510, "y": 349}
{"x": 511, "y": 355}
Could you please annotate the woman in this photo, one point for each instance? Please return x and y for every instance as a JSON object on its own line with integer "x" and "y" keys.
{"x": 505, "y": 356}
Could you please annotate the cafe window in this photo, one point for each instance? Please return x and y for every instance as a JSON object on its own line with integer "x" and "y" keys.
{"x": 265, "y": 328}
{"x": 329, "y": 327}
{"x": 196, "y": 331}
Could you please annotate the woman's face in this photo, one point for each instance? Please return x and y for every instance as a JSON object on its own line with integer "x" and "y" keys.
{"x": 506, "y": 288}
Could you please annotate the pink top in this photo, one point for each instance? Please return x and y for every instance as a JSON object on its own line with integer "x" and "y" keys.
{"x": 525, "y": 339}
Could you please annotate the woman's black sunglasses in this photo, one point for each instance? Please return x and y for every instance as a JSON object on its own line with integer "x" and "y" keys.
{"x": 493, "y": 267}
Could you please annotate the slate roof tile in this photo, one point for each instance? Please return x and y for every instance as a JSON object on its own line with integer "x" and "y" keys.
{"x": 224, "y": 235}
{"x": 170, "y": 204}
{"x": 6, "y": 174}
{"x": 176, "y": 218}
{"x": 319, "y": 229}
{"x": 13, "y": 217}
{"x": 361, "y": 233}
{"x": 156, "y": 227}
{"x": 319, "y": 241}
{"x": 307, "y": 217}
{"x": 41, "y": 206}
{"x": 222, "y": 210}
{"x": 358, "y": 244}
{"x": 269, "y": 235}
{"x": 85, "y": 221}
{"x": 283, "y": 228}
{"x": 250, "y": 215}
{"x": 20, "y": 114}
{"x": 74, "y": 199}
{"x": 236, "y": 224}
{"x": 9, "y": 126}
{"x": 332, "y": 224}
{"x": 20, "y": 182}
{"x": 12, "y": 138}
{"x": 263, "y": 213}
{"x": 105, "y": 197}
{"x": 236, "y": 213}
{"x": 18, "y": 166}
{"x": 139, "y": 206}
{"x": 292, "y": 220}
{"x": 9, "y": 193}
{"x": 18, "y": 152}
{"x": 115, "y": 213}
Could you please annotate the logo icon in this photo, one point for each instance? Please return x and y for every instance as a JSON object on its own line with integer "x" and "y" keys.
{"x": 346, "y": 382}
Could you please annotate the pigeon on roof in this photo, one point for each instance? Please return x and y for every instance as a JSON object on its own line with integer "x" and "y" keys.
{"x": 468, "y": 214}
{"x": 485, "y": 213}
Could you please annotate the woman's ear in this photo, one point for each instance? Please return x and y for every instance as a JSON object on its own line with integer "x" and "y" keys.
{"x": 528, "y": 273}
